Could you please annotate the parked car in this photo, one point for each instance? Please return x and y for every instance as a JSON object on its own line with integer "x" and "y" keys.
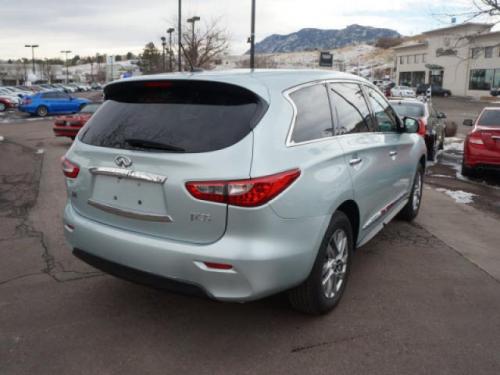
{"x": 402, "y": 92}
{"x": 6, "y": 103}
{"x": 238, "y": 186}
{"x": 437, "y": 90}
{"x": 482, "y": 144}
{"x": 431, "y": 122}
{"x": 70, "y": 125}
{"x": 7, "y": 94}
{"x": 495, "y": 92}
{"x": 52, "y": 102}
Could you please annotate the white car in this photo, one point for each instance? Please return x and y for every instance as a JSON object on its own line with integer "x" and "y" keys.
{"x": 403, "y": 92}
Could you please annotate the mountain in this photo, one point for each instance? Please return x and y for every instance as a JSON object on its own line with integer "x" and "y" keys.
{"x": 310, "y": 39}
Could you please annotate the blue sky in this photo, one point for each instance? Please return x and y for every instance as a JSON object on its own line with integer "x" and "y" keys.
{"x": 117, "y": 26}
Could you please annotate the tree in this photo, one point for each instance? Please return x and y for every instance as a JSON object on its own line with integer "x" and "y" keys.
{"x": 208, "y": 44}
{"x": 386, "y": 43}
{"x": 150, "y": 59}
{"x": 118, "y": 58}
{"x": 480, "y": 8}
{"x": 130, "y": 56}
{"x": 74, "y": 60}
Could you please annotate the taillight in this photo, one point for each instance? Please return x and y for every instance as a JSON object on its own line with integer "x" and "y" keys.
{"x": 69, "y": 168}
{"x": 422, "y": 126}
{"x": 476, "y": 139}
{"x": 244, "y": 193}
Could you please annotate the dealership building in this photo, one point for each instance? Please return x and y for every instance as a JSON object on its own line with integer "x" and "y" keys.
{"x": 462, "y": 58}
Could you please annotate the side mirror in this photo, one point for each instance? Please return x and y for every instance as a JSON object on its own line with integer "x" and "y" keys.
{"x": 410, "y": 124}
{"x": 468, "y": 122}
{"x": 441, "y": 115}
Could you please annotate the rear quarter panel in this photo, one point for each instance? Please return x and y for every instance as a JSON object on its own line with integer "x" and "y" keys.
{"x": 324, "y": 182}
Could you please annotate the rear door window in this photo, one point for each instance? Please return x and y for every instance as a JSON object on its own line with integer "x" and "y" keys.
{"x": 314, "y": 119}
{"x": 174, "y": 116}
{"x": 353, "y": 115}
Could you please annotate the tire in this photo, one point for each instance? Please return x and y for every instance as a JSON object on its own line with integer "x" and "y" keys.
{"x": 441, "y": 143}
{"x": 432, "y": 150}
{"x": 2, "y": 107}
{"x": 42, "y": 111}
{"x": 410, "y": 210}
{"x": 315, "y": 296}
{"x": 468, "y": 171}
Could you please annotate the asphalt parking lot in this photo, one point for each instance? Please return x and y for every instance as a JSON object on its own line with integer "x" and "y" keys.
{"x": 423, "y": 298}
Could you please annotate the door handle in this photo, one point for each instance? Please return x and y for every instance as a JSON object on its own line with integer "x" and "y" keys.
{"x": 355, "y": 161}
{"x": 393, "y": 153}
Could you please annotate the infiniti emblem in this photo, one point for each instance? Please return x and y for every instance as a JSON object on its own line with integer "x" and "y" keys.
{"x": 123, "y": 161}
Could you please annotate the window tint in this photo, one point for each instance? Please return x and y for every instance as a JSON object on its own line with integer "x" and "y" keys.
{"x": 409, "y": 109}
{"x": 314, "y": 119}
{"x": 49, "y": 95}
{"x": 384, "y": 114}
{"x": 490, "y": 118}
{"x": 180, "y": 116}
{"x": 350, "y": 105}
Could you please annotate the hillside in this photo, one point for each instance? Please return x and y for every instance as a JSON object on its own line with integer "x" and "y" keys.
{"x": 317, "y": 39}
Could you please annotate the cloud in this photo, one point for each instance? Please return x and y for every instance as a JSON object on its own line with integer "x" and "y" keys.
{"x": 118, "y": 26}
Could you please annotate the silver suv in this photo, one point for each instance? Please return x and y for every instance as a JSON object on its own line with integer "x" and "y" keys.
{"x": 239, "y": 185}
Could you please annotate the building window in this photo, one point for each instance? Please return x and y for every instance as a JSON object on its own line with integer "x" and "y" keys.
{"x": 481, "y": 79}
{"x": 424, "y": 57}
{"x": 475, "y": 52}
{"x": 496, "y": 79}
{"x": 488, "y": 52}
{"x": 408, "y": 59}
{"x": 417, "y": 59}
{"x": 401, "y": 60}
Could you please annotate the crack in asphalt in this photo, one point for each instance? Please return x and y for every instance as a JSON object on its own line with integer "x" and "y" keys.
{"x": 303, "y": 348}
{"x": 18, "y": 195}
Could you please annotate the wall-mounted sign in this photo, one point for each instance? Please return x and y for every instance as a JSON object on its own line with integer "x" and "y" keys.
{"x": 326, "y": 59}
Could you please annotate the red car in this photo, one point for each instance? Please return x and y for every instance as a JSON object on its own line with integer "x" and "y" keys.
{"x": 482, "y": 145}
{"x": 6, "y": 104}
{"x": 70, "y": 125}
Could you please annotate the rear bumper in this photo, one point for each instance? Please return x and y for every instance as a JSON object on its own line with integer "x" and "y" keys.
{"x": 66, "y": 131}
{"x": 475, "y": 157}
{"x": 268, "y": 254}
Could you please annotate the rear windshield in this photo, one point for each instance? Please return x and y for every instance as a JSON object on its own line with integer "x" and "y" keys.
{"x": 90, "y": 108}
{"x": 409, "y": 109}
{"x": 490, "y": 118}
{"x": 177, "y": 116}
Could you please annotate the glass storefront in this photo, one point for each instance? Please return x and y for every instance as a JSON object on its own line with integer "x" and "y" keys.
{"x": 484, "y": 79}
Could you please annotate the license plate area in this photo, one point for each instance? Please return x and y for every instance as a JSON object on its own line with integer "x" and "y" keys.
{"x": 129, "y": 195}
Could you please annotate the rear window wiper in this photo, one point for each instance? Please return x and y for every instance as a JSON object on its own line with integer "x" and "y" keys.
{"x": 143, "y": 143}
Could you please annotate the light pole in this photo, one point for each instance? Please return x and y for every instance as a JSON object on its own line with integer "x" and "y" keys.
{"x": 180, "y": 37}
{"x": 194, "y": 51}
{"x": 164, "y": 45}
{"x": 66, "y": 62}
{"x": 32, "y": 46}
{"x": 252, "y": 37}
{"x": 170, "y": 52}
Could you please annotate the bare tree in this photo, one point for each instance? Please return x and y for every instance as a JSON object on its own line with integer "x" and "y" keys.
{"x": 480, "y": 8}
{"x": 261, "y": 61}
{"x": 205, "y": 45}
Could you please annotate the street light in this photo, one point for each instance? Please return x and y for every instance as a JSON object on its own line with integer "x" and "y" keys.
{"x": 164, "y": 45}
{"x": 66, "y": 62}
{"x": 179, "y": 28}
{"x": 252, "y": 37}
{"x": 32, "y": 46}
{"x": 194, "y": 51}
{"x": 170, "y": 52}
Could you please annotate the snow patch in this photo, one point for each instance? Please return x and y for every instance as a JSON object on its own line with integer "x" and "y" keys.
{"x": 454, "y": 144}
{"x": 1, "y": 138}
{"x": 458, "y": 195}
{"x": 40, "y": 151}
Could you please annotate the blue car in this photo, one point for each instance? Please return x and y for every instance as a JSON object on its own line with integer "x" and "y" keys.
{"x": 52, "y": 102}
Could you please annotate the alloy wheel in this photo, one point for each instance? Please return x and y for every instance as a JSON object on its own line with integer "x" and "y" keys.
{"x": 417, "y": 191}
{"x": 335, "y": 265}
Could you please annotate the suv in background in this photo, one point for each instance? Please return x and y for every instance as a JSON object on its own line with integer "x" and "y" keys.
{"x": 431, "y": 122}
{"x": 240, "y": 185}
{"x": 437, "y": 90}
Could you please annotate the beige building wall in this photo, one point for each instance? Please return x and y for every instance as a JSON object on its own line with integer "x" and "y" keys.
{"x": 456, "y": 67}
